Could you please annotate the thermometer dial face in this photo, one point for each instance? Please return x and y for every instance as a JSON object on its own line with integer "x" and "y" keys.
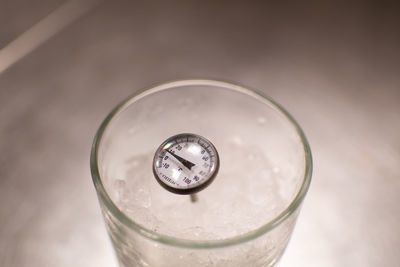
{"x": 185, "y": 163}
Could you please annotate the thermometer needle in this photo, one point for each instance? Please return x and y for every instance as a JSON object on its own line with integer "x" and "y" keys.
{"x": 185, "y": 162}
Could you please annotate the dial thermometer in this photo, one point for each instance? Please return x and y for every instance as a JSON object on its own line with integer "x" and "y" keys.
{"x": 185, "y": 163}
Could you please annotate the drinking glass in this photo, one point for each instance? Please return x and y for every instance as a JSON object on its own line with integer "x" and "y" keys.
{"x": 243, "y": 218}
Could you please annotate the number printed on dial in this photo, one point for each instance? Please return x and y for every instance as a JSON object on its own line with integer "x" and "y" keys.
{"x": 185, "y": 163}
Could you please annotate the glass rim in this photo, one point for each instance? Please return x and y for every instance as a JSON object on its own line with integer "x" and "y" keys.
{"x": 187, "y": 243}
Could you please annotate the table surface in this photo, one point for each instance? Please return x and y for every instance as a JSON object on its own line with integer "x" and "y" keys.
{"x": 334, "y": 66}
